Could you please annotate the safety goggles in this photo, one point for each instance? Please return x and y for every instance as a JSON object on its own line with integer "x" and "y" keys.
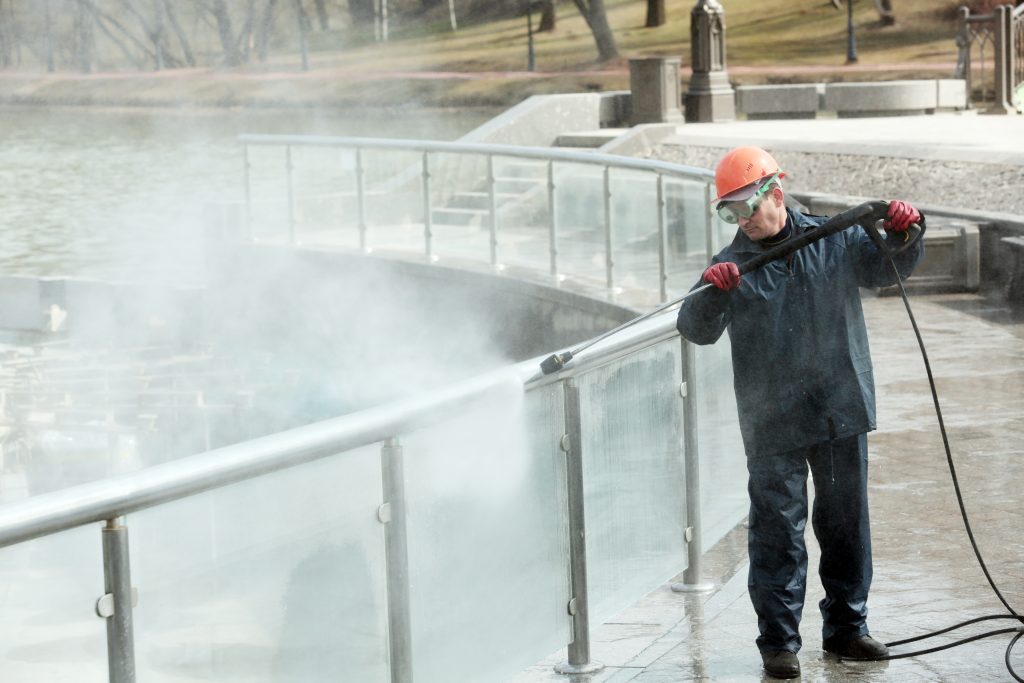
{"x": 733, "y": 211}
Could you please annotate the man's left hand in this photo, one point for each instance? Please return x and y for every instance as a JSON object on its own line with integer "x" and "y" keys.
{"x": 901, "y": 216}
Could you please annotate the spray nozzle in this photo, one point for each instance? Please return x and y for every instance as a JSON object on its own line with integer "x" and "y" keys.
{"x": 555, "y": 362}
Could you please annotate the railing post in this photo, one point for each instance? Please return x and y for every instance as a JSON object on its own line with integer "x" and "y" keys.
{"x": 709, "y": 233}
{"x": 392, "y": 515}
{"x": 552, "y": 222}
{"x": 428, "y": 230}
{"x": 662, "y": 243}
{"x": 247, "y": 170}
{"x": 361, "y": 198}
{"x": 609, "y": 262}
{"x": 691, "y": 463}
{"x": 116, "y": 604}
{"x": 291, "y": 193}
{"x": 1003, "y": 43}
{"x": 578, "y": 607}
{"x": 492, "y": 209}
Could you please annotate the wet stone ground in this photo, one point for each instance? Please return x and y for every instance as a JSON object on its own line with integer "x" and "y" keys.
{"x": 926, "y": 576}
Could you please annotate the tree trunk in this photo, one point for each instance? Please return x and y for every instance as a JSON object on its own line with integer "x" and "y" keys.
{"x": 227, "y": 35}
{"x": 547, "y": 16}
{"x": 300, "y": 16}
{"x": 84, "y": 36}
{"x": 265, "y": 29}
{"x": 655, "y": 13}
{"x": 885, "y": 13}
{"x": 597, "y": 20}
{"x": 321, "y": 15}
{"x": 179, "y": 33}
{"x": 362, "y": 12}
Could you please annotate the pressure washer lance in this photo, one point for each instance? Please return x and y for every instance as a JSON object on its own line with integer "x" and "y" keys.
{"x": 865, "y": 215}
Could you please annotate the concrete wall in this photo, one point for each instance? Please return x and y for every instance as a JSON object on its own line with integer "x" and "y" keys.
{"x": 882, "y": 98}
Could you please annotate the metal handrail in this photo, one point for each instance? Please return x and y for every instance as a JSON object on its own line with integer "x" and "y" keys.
{"x": 117, "y": 496}
{"x": 536, "y": 153}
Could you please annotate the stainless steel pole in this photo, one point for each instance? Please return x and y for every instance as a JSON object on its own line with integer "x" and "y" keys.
{"x": 662, "y": 243}
{"x": 691, "y": 464}
{"x": 392, "y": 515}
{"x": 117, "y": 582}
{"x": 361, "y": 198}
{"x": 579, "y": 649}
{"x": 492, "y": 209}
{"x": 552, "y": 222}
{"x": 247, "y": 169}
{"x": 291, "y": 193}
{"x": 428, "y": 225}
{"x": 608, "y": 241}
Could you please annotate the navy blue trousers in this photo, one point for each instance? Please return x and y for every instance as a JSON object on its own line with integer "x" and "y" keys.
{"x": 778, "y": 557}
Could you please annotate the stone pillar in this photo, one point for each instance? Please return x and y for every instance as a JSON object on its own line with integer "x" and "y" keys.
{"x": 655, "y": 93}
{"x": 710, "y": 97}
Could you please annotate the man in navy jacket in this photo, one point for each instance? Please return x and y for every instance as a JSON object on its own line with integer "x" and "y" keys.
{"x": 806, "y": 400}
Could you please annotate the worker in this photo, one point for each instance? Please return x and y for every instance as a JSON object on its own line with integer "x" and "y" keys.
{"x": 805, "y": 398}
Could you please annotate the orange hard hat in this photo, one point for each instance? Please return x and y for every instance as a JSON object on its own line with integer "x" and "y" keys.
{"x": 741, "y": 167}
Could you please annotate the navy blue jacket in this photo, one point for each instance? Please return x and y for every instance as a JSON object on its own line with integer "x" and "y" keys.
{"x": 801, "y": 364}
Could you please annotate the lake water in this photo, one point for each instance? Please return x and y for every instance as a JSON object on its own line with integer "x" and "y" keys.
{"x": 121, "y": 193}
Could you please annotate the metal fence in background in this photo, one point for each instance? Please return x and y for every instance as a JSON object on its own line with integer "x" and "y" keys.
{"x": 998, "y": 40}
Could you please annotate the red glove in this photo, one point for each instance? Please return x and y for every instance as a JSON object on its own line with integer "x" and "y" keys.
{"x": 725, "y": 275}
{"x": 901, "y": 216}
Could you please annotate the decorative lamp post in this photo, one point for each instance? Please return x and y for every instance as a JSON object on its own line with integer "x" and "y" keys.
{"x": 710, "y": 97}
{"x": 851, "y": 38}
{"x": 531, "y": 62}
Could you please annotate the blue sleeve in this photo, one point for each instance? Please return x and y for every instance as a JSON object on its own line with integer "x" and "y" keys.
{"x": 703, "y": 317}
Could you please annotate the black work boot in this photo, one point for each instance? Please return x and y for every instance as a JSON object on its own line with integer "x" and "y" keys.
{"x": 781, "y": 663}
{"x": 861, "y": 647}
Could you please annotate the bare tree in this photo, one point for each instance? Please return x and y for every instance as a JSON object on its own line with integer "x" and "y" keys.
{"x": 885, "y": 12}
{"x": 303, "y": 19}
{"x": 597, "y": 20}
{"x": 266, "y": 26}
{"x": 547, "y": 16}
{"x": 84, "y": 38}
{"x": 219, "y": 9}
{"x": 655, "y": 13}
{"x": 321, "y": 15}
{"x": 179, "y": 33}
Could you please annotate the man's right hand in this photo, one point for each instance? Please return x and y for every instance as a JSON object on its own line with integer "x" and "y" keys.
{"x": 725, "y": 275}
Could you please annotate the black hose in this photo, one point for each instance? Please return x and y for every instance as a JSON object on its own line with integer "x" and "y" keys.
{"x": 967, "y": 525}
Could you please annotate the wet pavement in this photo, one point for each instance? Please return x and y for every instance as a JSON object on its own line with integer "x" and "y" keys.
{"x": 926, "y": 576}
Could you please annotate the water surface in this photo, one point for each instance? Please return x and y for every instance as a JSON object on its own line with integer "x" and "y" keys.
{"x": 124, "y": 194}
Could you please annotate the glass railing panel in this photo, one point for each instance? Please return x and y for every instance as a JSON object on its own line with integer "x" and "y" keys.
{"x": 723, "y": 464}
{"x": 324, "y": 195}
{"x": 634, "y": 485}
{"x": 521, "y": 198}
{"x": 580, "y": 217}
{"x": 687, "y": 228}
{"x": 488, "y": 541}
{"x": 280, "y": 578}
{"x": 635, "y": 236}
{"x": 393, "y": 201}
{"x": 49, "y": 626}
{"x": 460, "y": 207}
{"x": 268, "y": 193}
